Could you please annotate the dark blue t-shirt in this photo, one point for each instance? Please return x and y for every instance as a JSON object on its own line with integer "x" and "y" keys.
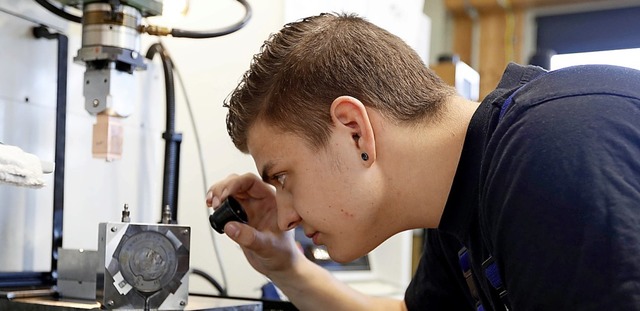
{"x": 550, "y": 190}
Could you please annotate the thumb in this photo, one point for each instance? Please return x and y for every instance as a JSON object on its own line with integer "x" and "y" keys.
{"x": 232, "y": 230}
{"x": 242, "y": 234}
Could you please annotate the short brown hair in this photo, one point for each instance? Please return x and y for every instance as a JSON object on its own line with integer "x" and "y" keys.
{"x": 300, "y": 70}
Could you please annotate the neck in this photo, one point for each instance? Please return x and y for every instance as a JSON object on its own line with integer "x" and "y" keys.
{"x": 421, "y": 164}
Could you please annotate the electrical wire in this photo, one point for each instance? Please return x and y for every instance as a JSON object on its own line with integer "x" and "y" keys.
{"x": 179, "y": 33}
{"x": 211, "y": 280}
{"x": 203, "y": 174}
{"x": 59, "y": 11}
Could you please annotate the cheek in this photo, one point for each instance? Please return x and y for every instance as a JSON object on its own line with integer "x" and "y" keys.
{"x": 336, "y": 200}
{"x": 320, "y": 205}
{"x": 324, "y": 191}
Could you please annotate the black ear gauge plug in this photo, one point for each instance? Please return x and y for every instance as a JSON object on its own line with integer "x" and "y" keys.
{"x": 230, "y": 210}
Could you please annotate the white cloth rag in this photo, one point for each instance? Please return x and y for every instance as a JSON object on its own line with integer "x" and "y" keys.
{"x": 20, "y": 168}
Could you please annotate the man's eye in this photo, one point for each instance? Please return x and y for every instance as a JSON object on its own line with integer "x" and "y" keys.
{"x": 280, "y": 179}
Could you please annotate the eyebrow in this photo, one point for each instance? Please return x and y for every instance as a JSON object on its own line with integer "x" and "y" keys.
{"x": 266, "y": 171}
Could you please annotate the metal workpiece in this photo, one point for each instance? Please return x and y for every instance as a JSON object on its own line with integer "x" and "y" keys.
{"x": 77, "y": 273}
{"x": 143, "y": 266}
{"x": 108, "y": 136}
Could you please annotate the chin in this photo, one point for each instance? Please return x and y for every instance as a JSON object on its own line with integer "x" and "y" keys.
{"x": 343, "y": 256}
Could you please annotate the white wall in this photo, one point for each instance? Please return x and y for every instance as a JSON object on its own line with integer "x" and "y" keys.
{"x": 95, "y": 191}
{"x": 27, "y": 115}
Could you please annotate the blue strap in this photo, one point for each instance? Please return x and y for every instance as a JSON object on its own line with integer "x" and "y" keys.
{"x": 492, "y": 273}
{"x": 506, "y": 105}
{"x": 509, "y": 100}
{"x": 465, "y": 265}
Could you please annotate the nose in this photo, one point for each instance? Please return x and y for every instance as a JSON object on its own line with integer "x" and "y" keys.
{"x": 288, "y": 218}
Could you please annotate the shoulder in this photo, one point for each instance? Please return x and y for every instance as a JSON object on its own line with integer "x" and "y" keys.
{"x": 613, "y": 82}
{"x": 565, "y": 128}
{"x": 560, "y": 188}
{"x": 571, "y": 108}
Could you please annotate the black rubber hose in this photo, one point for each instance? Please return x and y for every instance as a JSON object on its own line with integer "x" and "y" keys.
{"x": 172, "y": 139}
{"x": 60, "y": 12}
{"x": 179, "y": 33}
{"x": 167, "y": 66}
{"x": 211, "y": 280}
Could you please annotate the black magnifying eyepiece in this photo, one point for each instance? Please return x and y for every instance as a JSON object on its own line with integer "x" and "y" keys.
{"x": 230, "y": 210}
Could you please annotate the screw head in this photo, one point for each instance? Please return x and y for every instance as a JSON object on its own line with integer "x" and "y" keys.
{"x": 185, "y": 231}
{"x": 96, "y": 103}
{"x": 110, "y": 303}
{"x": 183, "y": 303}
{"x": 114, "y": 229}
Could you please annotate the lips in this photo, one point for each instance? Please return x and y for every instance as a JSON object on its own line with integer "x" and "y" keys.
{"x": 314, "y": 237}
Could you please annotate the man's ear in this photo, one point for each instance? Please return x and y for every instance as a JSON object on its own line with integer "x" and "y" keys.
{"x": 350, "y": 117}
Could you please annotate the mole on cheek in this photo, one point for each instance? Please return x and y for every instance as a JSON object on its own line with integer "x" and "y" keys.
{"x": 346, "y": 213}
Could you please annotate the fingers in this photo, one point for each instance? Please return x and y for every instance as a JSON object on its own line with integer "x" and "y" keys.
{"x": 233, "y": 184}
{"x": 247, "y": 186}
{"x": 211, "y": 200}
{"x": 249, "y": 237}
{"x": 266, "y": 251}
{"x": 276, "y": 246}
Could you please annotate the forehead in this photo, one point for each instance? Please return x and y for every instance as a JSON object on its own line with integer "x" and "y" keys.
{"x": 260, "y": 136}
{"x": 269, "y": 145}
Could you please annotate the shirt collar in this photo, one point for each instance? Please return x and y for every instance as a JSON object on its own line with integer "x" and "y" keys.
{"x": 463, "y": 202}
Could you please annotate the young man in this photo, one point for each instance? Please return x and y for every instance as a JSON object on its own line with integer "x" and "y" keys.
{"x": 536, "y": 190}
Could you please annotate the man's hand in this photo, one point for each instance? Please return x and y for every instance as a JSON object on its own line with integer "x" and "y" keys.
{"x": 268, "y": 249}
